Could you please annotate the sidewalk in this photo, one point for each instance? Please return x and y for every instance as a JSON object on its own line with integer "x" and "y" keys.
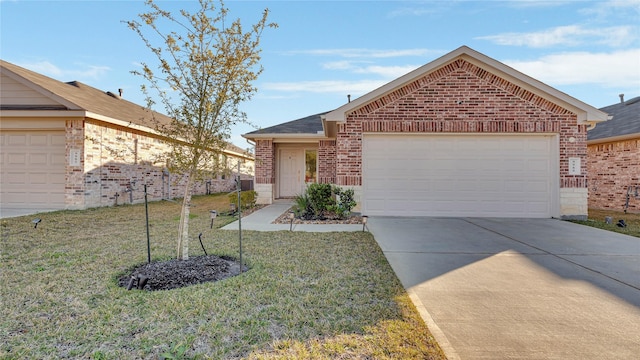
{"x": 262, "y": 219}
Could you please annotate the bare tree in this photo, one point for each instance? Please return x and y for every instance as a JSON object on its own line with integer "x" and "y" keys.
{"x": 208, "y": 64}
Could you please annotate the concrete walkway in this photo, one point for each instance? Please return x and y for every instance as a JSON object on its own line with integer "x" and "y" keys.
{"x": 519, "y": 288}
{"x": 262, "y": 219}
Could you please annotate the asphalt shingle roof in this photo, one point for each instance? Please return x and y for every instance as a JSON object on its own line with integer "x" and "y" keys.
{"x": 86, "y": 98}
{"x": 90, "y": 99}
{"x": 625, "y": 120}
{"x": 306, "y": 125}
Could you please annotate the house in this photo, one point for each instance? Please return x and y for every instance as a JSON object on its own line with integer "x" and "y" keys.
{"x": 71, "y": 146}
{"x": 463, "y": 135}
{"x": 613, "y": 153}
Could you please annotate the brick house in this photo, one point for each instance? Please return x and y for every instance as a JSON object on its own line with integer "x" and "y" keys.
{"x": 463, "y": 135}
{"x": 613, "y": 153}
{"x": 71, "y": 146}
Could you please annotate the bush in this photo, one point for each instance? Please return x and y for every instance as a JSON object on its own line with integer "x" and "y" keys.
{"x": 247, "y": 199}
{"x": 322, "y": 201}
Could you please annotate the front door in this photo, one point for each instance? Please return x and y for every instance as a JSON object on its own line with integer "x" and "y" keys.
{"x": 291, "y": 176}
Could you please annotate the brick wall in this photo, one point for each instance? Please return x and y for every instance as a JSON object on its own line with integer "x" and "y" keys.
{"x": 265, "y": 166}
{"x": 327, "y": 162}
{"x": 118, "y": 162}
{"x": 460, "y": 98}
{"x": 74, "y": 183}
{"x": 613, "y": 168}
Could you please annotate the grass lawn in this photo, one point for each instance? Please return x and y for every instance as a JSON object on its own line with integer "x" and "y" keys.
{"x": 597, "y": 219}
{"x": 306, "y": 295}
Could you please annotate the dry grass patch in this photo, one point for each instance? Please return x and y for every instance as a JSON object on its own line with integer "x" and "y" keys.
{"x": 597, "y": 219}
{"x": 326, "y": 295}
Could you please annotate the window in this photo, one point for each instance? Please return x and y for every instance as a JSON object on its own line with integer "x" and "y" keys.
{"x": 310, "y": 165}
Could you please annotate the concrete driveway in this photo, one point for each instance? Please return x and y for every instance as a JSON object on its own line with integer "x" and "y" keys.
{"x": 519, "y": 288}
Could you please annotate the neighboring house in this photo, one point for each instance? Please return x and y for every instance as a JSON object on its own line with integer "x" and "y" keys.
{"x": 463, "y": 135}
{"x": 71, "y": 146}
{"x": 613, "y": 151}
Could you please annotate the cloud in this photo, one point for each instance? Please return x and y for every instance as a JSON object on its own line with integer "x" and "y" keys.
{"x": 412, "y": 11}
{"x": 536, "y": 3}
{"x": 82, "y": 72}
{"x": 365, "y": 53}
{"x": 615, "y": 69}
{"x": 571, "y": 35}
{"x": 605, "y": 9}
{"x": 355, "y": 88}
{"x": 357, "y": 67}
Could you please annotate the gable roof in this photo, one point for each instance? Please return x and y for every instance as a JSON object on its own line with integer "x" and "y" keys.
{"x": 91, "y": 102}
{"x": 585, "y": 113}
{"x": 75, "y": 95}
{"x": 624, "y": 123}
{"x": 310, "y": 125}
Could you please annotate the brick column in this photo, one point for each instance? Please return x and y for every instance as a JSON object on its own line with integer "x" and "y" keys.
{"x": 265, "y": 171}
{"x": 74, "y": 175}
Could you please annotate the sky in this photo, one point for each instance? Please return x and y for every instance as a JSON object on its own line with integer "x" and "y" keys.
{"x": 323, "y": 51}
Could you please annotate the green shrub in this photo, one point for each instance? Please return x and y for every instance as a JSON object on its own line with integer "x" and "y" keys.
{"x": 322, "y": 201}
{"x": 301, "y": 208}
{"x": 247, "y": 198}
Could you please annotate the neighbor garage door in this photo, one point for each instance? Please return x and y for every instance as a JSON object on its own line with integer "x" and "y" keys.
{"x": 459, "y": 175}
{"x": 33, "y": 170}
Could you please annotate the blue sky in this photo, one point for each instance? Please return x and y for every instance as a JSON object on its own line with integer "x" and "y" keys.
{"x": 324, "y": 50}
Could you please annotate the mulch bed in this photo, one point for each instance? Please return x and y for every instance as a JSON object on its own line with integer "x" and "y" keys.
{"x": 173, "y": 274}
{"x": 284, "y": 219}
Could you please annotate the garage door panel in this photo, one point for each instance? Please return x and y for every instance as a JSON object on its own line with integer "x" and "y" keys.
{"x": 458, "y": 175}
{"x": 33, "y": 170}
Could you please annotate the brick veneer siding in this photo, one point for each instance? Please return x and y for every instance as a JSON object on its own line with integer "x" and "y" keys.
{"x": 459, "y": 98}
{"x": 74, "y": 175}
{"x": 613, "y": 168}
{"x": 265, "y": 164}
{"x": 327, "y": 162}
{"x": 116, "y": 159}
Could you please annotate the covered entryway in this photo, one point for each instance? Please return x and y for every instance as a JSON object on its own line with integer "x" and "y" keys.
{"x": 32, "y": 170}
{"x": 460, "y": 175}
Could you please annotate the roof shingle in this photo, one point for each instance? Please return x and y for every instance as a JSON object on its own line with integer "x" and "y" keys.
{"x": 311, "y": 124}
{"x": 625, "y": 120}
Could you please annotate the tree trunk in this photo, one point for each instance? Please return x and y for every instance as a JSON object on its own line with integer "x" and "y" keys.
{"x": 183, "y": 228}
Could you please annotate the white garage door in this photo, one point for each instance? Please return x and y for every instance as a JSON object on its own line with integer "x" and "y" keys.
{"x": 459, "y": 175}
{"x": 33, "y": 170}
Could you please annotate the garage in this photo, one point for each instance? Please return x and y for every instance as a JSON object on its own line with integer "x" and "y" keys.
{"x": 468, "y": 175}
{"x": 33, "y": 169}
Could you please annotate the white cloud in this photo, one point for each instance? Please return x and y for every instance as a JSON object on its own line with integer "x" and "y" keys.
{"x": 327, "y": 86}
{"x": 615, "y": 69}
{"x": 536, "y": 3}
{"x": 605, "y": 9}
{"x": 82, "y": 72}
{"x": 571, "y": 35}
{"x": 365, "y": 53}
{"x": 412, "y": 11}
{"x": 389, "y": 72}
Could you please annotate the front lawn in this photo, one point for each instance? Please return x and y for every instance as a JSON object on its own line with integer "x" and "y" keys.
{"x": 597, "y": 219}
{"x": 306, "y": 295}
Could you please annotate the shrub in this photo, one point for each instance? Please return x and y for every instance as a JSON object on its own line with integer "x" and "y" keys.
{"x": 322, "y": 201}
{"x": 247, "y": 198}
{"x": 301, "y": 208}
